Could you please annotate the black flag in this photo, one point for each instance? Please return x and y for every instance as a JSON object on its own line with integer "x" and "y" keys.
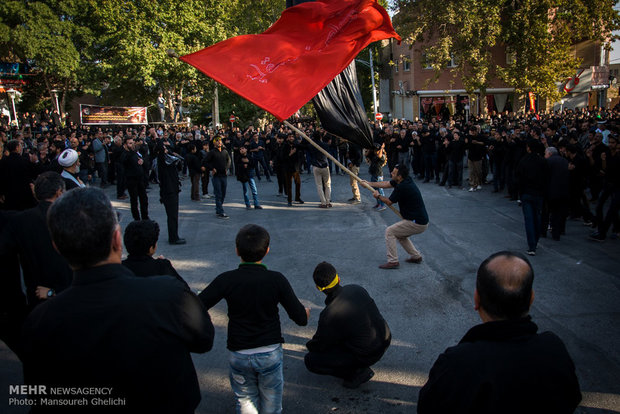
{"x": 340, "y": 107}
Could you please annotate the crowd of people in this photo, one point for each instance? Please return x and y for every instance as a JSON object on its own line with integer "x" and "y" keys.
{"x": 62, "y": 240}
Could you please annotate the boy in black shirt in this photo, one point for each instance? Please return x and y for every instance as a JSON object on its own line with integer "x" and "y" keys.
{"x": 254, "y": 336}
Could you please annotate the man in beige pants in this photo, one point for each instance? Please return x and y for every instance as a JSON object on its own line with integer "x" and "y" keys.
{"x": 413, "y": 211}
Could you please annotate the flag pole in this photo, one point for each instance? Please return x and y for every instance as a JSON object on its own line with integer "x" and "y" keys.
{"x": 345, "y": 169}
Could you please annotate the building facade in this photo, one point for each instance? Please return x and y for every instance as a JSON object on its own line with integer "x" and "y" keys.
{"x": 414, "y": 93}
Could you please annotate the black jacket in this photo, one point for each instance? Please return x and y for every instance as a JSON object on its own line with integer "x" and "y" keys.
{"x": 42, "y": 265}
{"x": 219, "y": 161}
{"x": 253, "y": 293}
{"x": 244, "y": 168}
{"x": 169, "y": 184}
{"x": 503, "y": 367}
{"x": 133, "y": 170}
{"x": 145, "y": 266}
{"x": 17, "y": 173}
{"x": 532, "y": 175}
{"x": 558, "y": 178}
{"x": 351, "y": 322}
{"x": 194, "y": 163}
{"x": 113, "y": 329}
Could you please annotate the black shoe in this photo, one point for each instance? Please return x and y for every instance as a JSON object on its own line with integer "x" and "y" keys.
{"x": 596, "y": 236}
{"x": 223, "y": 216}
{"x": 300, "y": 201}
{"x": 178, "y": 241}
{"x": 361, "y": 376}
{"x": 290, "y": 204}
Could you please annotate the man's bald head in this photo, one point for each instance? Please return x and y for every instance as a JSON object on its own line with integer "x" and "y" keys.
{"x": 504, "y": 285}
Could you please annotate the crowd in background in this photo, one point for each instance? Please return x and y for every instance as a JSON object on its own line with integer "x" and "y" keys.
{"x": 489, "y": 149}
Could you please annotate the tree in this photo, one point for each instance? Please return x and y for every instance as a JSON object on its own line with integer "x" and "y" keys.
{"x": 538, "y": 35}
{"x": 48, "y": 36}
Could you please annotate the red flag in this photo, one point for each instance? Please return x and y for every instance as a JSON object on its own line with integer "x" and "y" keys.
{"x": 281, "y": 69}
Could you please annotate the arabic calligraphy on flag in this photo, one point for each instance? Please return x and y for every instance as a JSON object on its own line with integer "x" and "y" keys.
{"x": 281, "y": 69}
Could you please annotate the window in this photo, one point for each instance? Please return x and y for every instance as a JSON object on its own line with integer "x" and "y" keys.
{"x": 406, "y": 64}
{"x": 396, "y": 66}
{"x": 511, "y": 57}
{"x": 452, "y": 62}
{"x": 425, "y": 63}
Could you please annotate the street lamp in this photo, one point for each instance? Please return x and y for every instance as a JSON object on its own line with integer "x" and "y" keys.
{"x": 561, "y": 105}
{"x": 12, "y": 92}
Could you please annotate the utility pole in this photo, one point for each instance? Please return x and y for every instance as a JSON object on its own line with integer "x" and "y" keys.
{"x": 372, "y": 77}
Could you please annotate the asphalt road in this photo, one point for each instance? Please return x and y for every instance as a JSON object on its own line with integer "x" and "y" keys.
{"x": 428, "y": 306}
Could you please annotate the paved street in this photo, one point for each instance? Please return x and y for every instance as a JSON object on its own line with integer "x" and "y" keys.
{"x": 428, "y": 306}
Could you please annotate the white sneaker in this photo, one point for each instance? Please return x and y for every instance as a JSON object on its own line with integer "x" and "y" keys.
{"x": 479, "y": 187}
{"x": 472, "y": 189}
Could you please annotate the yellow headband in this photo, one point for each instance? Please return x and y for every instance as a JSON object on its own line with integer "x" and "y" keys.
{"x": 331, "y": 285}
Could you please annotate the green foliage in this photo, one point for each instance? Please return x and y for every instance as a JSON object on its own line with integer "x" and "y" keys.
{"x": 118, "y": 48}
{"x": 538, "y": 34}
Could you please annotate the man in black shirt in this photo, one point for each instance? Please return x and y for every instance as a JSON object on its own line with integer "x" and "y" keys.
{"x": 413, "y": 211}
{"x": 351, "y": 336}
{"x": 254, "y": 335}
{"x": 132, "y": 162}
{"x": 503, "y": 365}
{"x": 169, "y": 186}
{"x": 219, "y": 162}
{"x": 111, "y": 328}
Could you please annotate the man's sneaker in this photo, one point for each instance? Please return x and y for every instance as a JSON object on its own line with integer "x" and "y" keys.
{"x": 531, "y": 252}
{"x": 382, "y": 208}
{"x": 290, "y": 204}
{"x": 416, "y": 261}
{"x": 472, "y": 189}
{"x": 248, "y": 207}
{"x": 355, "y": 201}
{"x": 587, "y": 222}
{"x": 389, "y": 265}
{"x": 351, "y": 199}
{"x": 361, "y": 376}
{"x": 329, "y": 205}
{"x": 223, "y": 216}
{"x": 322, "y": 206}
{"x": 596, "y": 236}
{"x": 258, "y": 207}
{"x": 479, "y": 187}
{"x": 376, "y": 206}
{"x": 300, "y": 201}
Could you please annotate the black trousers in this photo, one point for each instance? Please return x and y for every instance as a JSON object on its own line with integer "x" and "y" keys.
{"x": 121, "y": 181}
{"x": 558, "y": 212}
{"x": 336, "y": 363}
{"x": 137, "y": 191}
{"x": 290, "y": 176}
{"x": 171, "y": 204}
{"x": 205, "y": 183}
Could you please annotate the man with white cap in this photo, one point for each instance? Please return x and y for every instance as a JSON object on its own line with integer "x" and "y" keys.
{"x": 70, "y": 163}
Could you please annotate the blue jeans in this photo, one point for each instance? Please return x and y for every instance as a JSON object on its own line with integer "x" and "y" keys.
{"x": 532, "y": 214}
{"x": 219, "y": 189}
{"x": 252, "y": 185}
{"x": 374, "y": 179}
{"x": 257, "y": 381}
